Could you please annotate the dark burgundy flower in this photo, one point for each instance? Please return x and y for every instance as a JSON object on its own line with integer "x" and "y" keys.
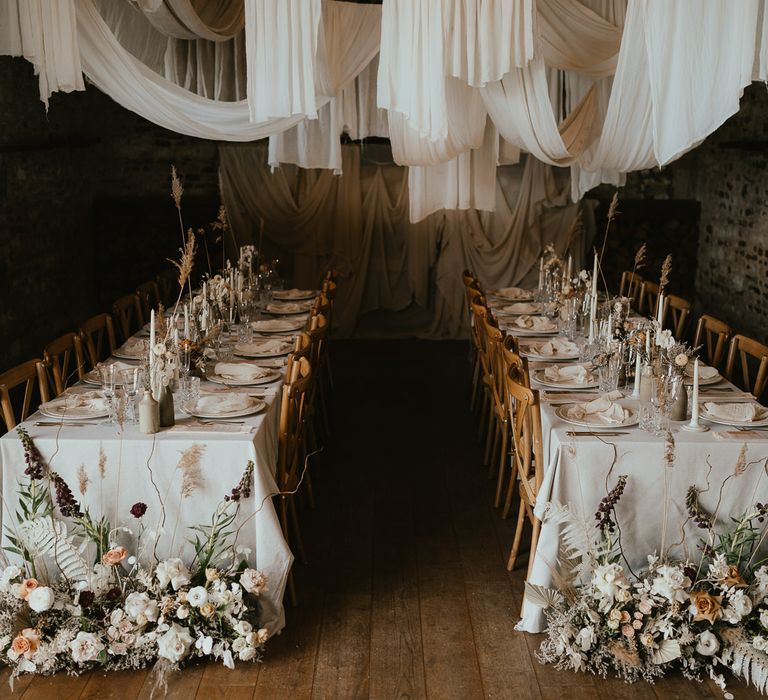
{"x": 243, "y": 488}
{"x": 113, "y": 594}
{"x": 65, "y": 499}
{"x": 138, "y": 509}
{"x": 86, "y": 598}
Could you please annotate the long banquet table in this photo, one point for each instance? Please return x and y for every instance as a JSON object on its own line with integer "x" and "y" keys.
{"x": 580, "y": 470}
{"x": 124, "y": 466}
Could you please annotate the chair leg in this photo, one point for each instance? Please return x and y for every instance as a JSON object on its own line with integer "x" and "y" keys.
{"x": 483, "y": 408}
{"x": 491, "y": 460}
{"x": 518, "y": 536}
{"x": 510, "y": 495}
{"x": 291, "y": 585}
{"x": 534, "y": 542}
{"x": 297, "y": 531}
{"x": 475, "y": 385}
{"x": 502, "y": 465}
{"x": 328, "y": 371}
{"x": 489, "y": 433}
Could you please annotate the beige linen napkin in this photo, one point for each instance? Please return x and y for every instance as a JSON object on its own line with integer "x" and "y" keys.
{"x": 577, "y": 374}
{"x": 740, "y": 412}
{"x": 604, "y": 409}
{"x": 557, "y": 347}
{"x": 534, "y": 323}
{"x": 222, "y": 404}
{"x": 513, "y": 293}
{"x": 521, "y": 307}
{"x": 242, "y": 371}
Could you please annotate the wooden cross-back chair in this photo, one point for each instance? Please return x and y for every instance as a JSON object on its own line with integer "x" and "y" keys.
{"x": 712, "y": 334}
{"x": 528, "y": 462}
{"x": 649, "y": 298}
{"x": 64, "y": 359}
{"x": 30, "y": 377}
{"x": 98, "y": 334}
{"x": 494, "y": 338}
{"x": 128, "y": 315}
{"x": 319, "y": 329}
{"x": 675, "y": 315}
{"x": 481, "y": 313}
{"x": 168, "y": 286}
{"x": 291, "y": 455}
{"x": 149, "y": 298}
{"x": 750, "y": 356}
{"x": 472, "y": 289}
{"x": 630, "y": 287}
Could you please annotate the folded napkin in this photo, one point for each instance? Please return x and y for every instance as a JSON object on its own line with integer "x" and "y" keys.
{"x": 738, "y": 412}
{"x": 521, "y": 307}
{"x": 577, "y": 374}
{"x": 222, "y": 404}
{"x": 294, "y": 293}
{"x": 242, "y": 371}
{"x": 705, "y": 371}
{"x": 287, "y": 308}
{"x": 266, "y": 347}
{"x": 136, "y": 346}
{"x": 513, "y": 293}
{"x": 605, "y": 409}
{"x": 91, "y": 401}
{"x": 535, "y": 323}
{"x": 192, "y": 425}
{"x": 275, "y": 324}
{"x": 556, "y": 346}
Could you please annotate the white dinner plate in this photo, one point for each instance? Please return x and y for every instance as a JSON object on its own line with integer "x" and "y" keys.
{"x": 715, "y": 379}
{"x": 539, "y": 376}
{"x": 280, "y": 310}
{"x": 703, "y": 413}
{"x": 277, "y": 325}
{"x": 252, "y": 349}
{"x": 530, "y": 350}
{"x": 516, "y": 330}
{"x": 502, "y": 310}
{"x": 62, "y": 410}
{"x": 271, "y": 376}
{"x": 525, "y": 295}
{"x": 256, "y": 407}
{"x": 294, "y": 294}
{"x": 594, "y": 422}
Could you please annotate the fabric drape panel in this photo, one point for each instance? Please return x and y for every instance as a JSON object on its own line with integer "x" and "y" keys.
{"x": 281, "y": 47}
{"x": 359, "y": 224}
{"x": 361, "y": 116}
{"x": 466, "y": 182}
{"x": 195, "y": 19}
{"x": 45, "y": 33}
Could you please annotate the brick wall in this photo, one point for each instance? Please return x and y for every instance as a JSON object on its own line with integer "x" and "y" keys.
{"x": 85, "y": 208}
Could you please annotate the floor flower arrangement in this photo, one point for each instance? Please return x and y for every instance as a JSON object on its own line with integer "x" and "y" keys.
{"x": 122, "y": 608}
{"x": 697, "y": 617}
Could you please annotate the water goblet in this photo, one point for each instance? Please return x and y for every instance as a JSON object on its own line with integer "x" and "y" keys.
{"x": 132, "y": 381}
{"x": 108, "y": 385}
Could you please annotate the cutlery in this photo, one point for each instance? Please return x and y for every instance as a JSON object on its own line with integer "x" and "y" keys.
{"x": 598, "y": 433}
{"x": 63, "y": 424}
{"x": 222, "y": 422}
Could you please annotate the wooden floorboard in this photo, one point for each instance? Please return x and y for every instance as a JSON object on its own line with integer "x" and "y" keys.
{"x": 405, "y": 593}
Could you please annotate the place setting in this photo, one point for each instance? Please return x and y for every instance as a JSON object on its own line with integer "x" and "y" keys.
{"x": 133, "y": 349}
{"x": 526, "y": 324}
{"x": 507, "y": 294}
{"x": 287, "y": 308}
{"x": 294, "y": 295}
{"x": 277, "y": 326}
{"x": 241, "y": 373}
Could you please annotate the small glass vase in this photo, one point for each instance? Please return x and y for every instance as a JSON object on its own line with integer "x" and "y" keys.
{"x": 679, "y": 401}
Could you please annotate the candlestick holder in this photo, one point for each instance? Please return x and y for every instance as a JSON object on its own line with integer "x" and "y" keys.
{"x": 694, "y": 427}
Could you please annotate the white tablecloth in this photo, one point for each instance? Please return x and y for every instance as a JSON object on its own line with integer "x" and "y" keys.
{"x": 577, "y": 474}
{"x": 144, "y": 468}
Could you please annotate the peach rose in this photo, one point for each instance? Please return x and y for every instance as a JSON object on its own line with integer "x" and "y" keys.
{"x": 625, "y": 618}
{"x": 734, "y": 578}
{"x": 114, "y": 556}
{"x": 27, "y": 587}
{"x": 207, "y": 609}
{"x": 705, "y": 606}
{"x": 26, "y": 643}
{"x": 628, "y": 631}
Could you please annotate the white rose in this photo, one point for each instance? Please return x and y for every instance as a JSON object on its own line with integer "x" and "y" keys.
{"x": 172, "y": 571}
{"x": 764, "y": 618}
{"x": 85, "y": 647}
{"x": 243, "y": 627}
{"x": 246, "y": 654}
{"x": 585, "y": 638}
{"x": 183, "y": 612}
{"x": 671, "y": 583}
{"x": 116, "y": 617}
{"x": 41, "y": 599}
{"x": 609, "y": 579}
{"x": 739, "y": 605}
{"x": 174, "y": 644}
{"x": 227, "y": 659}
{"x": 204, "y": 644}
{"x": 708, "y": 644}
{"x": 197, "y": 596}
{"x": 760, "y": 643}
{"x": 136, "y": 604}
{"x": 253, "y": 581}
{"x": 239, "y": 644}
{"x": 118, "y": 649}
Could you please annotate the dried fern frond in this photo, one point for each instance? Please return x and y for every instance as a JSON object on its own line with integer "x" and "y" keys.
{"x": 191, "y": 474}
{"x": 176, "y": 188}
{"x": 666, "y": 269}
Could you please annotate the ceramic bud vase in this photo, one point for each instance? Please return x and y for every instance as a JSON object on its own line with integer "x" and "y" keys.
{"x": 167, "y": 413}
{"x": 646, "y": 383}
{"x": 679, "y": 410}
{"x": 149, "y": 414}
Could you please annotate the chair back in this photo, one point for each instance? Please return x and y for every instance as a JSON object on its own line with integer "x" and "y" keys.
{"x": 515, "y": 365}
{"x": 649, "y": 298}
{"x": 751, "y": 358}
{"x": 630, "y": 286}
{"x": 98, "y": 334}
{"x": 149, "y": 298}
{"x": 291, "y": 438}
{"x": 712, "y": 334}
{"x": 675, "y": 314}
{"x": 128, "y": 315}
{"x": 28, "y": 376}
{"x": 63, "y": 358}
{"x": 168, "y": 286}
{"x": 525, "y": 424}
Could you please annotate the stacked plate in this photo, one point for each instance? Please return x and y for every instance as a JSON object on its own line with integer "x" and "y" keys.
{"x": 294, "y": 294}
{"x": 76, "y": 406}
{"x": 274, "y": 347}
{"x": 228, "y": 405}
{"x": 242, "y": 374}
{"x": 277, "y": 325}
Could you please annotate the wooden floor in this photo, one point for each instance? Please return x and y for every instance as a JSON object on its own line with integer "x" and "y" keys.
{"x": 405, "y": 594}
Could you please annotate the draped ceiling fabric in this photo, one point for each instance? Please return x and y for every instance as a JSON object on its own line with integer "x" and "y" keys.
{"x": 459, "y": 87}
{"x": 360, "y": 225}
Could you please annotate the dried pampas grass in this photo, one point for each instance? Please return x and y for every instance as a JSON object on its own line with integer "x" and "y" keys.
{"x": 666, "y": 269}
{"x": 82, "y": 479}
{"x": 176, "y": 188}
{"x": 191, "y": 474}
